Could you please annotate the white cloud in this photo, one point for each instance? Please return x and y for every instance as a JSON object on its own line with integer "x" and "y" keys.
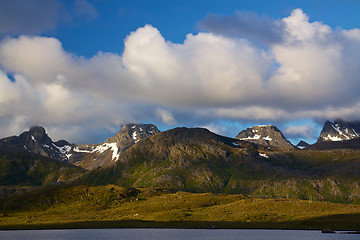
{"x": 303, "y": 131}
{"x": 310, "y": 72}
{"x": 218, "y": 129}
{"x": 165, "y": 116}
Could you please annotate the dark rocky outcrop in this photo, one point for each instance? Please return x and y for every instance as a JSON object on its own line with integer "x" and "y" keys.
{"x": 265, "y": 135}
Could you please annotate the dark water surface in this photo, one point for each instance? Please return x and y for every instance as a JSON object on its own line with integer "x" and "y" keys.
{"x": 165, "y": 234}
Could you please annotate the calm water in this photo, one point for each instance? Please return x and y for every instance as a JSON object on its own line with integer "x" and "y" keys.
{"x": 164, "y": 234}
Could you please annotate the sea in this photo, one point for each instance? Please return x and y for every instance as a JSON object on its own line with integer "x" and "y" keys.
{"x": 173, "y": 234}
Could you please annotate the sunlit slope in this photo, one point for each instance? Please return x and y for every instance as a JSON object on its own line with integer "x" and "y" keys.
{"x": 113, "y": 206}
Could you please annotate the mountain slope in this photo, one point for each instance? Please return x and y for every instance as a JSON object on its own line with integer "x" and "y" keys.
{"x": 265, "y": 135}
{"x": 37, "y": 141}
{"x": 92, "y": 156}
{"x": 24, "y": 168}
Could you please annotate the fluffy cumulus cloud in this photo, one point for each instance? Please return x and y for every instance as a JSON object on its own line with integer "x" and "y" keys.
{"x": 301, "y": 70}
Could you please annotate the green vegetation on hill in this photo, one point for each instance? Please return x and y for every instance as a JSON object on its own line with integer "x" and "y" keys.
{"x": 83, "y": 206}
{"x": 23, "y": 168}
{"x": 196, "y": 160}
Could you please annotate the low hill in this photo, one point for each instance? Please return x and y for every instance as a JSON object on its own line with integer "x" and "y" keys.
{"x": 112, "y": 206}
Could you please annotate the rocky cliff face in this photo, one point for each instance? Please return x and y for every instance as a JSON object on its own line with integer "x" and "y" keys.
{"x": 265, "y": 135}
{"x": 339, "y": 130}
{"x": 37, "y": 141}
{"x": 92, "y": 156}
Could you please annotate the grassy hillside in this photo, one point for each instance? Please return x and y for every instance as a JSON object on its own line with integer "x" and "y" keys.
{"x": 23, "y": 168}
{"x": 112, "y": 206}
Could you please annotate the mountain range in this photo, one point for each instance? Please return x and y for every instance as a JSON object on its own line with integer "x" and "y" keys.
{"x": 258, "y": 162}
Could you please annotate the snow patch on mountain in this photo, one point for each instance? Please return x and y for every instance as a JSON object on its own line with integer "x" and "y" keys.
{"x": 251, "y": 138}
{"x": 334, "y": 138}
{"x": 64, "y": 149}
{"x": 263, "y": 155}
{"x": 100, "y": 149}
{"x": 134, "y": 136}
{"x": 267, "y": 138}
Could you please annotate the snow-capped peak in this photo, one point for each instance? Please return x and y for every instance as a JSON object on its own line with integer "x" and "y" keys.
{"x": 339, "y": 131}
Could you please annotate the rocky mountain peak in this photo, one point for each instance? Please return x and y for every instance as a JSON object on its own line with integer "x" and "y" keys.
{"x": 37, "y": 131}
{"x": 339, "y": 130}
{"x": 266, "y": 135}
{"x": 37, "y": 141}
{"x": 35, "y": 134}
{"x": 92, "y": 156}
{"x": 133, "y": 133}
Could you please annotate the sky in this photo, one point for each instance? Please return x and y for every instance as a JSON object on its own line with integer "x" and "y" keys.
{"x": 82, "y": 68}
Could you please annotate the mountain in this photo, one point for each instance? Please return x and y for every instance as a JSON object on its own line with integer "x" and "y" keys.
{"x": 198, "y": 160}
{"x": 302, "y": 144}
{"x": 92, "y": 156}
{"x": 338, "y": 135}
{"x": 192, "y": 159}
{"x": 339, "y": 131}
{"x": 266, "y": 135}
{"x": 37, "y": 141}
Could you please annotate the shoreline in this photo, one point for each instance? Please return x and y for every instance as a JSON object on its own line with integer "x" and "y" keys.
{"x": 133, "y": 224}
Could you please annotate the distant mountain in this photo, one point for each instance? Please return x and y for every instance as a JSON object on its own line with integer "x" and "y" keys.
{"x": 339, "y": 131}
{"x": 302, "y": 144}
{"x": 92, "y": 156}
{"x": 266, "y": 135}
{"x": 37, "y": 141}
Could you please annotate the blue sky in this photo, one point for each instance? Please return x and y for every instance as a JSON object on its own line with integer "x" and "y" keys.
{"x": 81, "y": 68}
